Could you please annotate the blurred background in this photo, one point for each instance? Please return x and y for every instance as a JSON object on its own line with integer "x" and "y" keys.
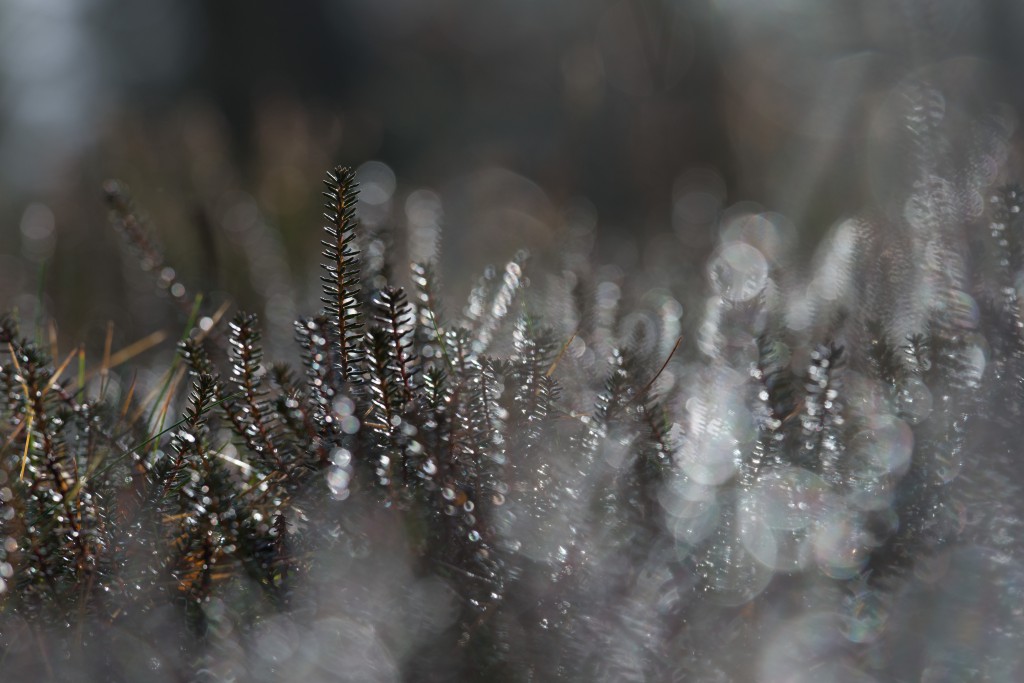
{"x": 623, "y": 128}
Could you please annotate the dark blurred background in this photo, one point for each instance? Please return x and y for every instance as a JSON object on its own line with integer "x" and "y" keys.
{"x": 509, "y": 123}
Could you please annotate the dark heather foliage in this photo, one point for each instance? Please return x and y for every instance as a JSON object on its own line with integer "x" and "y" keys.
{"x": 341, "y": 283}
{"x": 493, "y": 495}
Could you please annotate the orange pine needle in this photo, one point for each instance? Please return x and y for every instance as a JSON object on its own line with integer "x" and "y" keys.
{"x": 56, "y": 375}
{"x": 561, "y": 353}
{"x": 111, "y": 361}
{"x": 28, "y": 442}
{"x": 664, "y": 365}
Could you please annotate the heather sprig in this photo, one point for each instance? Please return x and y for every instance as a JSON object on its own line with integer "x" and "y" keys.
{"x": 573, "y": 504}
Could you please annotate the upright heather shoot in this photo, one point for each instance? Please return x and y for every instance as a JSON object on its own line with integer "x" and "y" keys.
{"x": 341, "y": 281}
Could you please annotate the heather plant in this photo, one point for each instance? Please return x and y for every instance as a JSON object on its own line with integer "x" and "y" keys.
{"x": 815, "y": 480}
